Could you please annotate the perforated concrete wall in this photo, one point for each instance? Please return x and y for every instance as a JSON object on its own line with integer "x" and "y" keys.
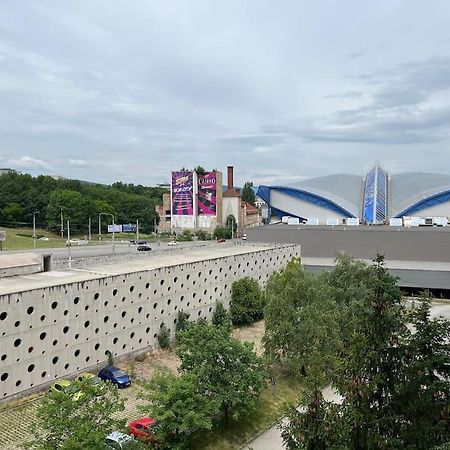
{"x": 55, "y": 331}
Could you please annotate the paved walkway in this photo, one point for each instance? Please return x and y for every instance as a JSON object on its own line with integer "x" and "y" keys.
{"x": 271, "y": 439}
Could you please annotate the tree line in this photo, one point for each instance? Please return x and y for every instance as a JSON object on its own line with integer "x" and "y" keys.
{"x": 22, "y": 195}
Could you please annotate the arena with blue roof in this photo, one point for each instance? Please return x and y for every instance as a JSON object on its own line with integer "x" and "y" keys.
{"x": 374, "y": 198}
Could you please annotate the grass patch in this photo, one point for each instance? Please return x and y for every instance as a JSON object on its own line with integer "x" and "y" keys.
{"x": 272, "y": 407}
{"x": 22, "y": 239}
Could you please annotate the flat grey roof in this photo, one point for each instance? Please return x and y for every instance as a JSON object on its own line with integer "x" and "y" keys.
{"x": 60, "y": 277}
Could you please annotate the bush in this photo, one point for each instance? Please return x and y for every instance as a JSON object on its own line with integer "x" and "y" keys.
{"x": 247, "y": 302}
{"x": 164, "y": 336}
{"x": 182, "y": 322}
{"x": 221, "y": 317}
{"x": 185, "y": 236}
{"x": 222, "y": 233}
{"x": 202, "y": 235}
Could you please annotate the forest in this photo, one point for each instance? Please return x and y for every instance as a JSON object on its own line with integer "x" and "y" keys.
{"x": 49, "y": 199}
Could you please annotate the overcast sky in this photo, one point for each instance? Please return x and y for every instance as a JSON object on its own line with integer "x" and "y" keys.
{"x": 107, "y": 90}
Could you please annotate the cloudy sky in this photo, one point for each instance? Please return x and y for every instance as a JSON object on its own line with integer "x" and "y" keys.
{"x": 283, "y": 90}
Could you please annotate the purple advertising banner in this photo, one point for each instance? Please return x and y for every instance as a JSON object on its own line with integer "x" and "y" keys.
{"x": 182, "y": 194}
{"x": 207, "y": 191}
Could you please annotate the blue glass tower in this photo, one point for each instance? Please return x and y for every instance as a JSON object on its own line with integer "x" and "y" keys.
{"x": 375, "y": 196}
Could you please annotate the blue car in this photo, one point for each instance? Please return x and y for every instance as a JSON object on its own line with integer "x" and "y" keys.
{"x": 115, "y": 375}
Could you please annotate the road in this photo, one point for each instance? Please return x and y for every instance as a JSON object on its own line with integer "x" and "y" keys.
{"x": 271, "y": 439}
{"x": 103, "y": 249}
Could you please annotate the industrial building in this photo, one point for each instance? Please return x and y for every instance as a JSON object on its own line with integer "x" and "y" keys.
{"x": 413, "y": 198}
{"x": 201, "y": 202}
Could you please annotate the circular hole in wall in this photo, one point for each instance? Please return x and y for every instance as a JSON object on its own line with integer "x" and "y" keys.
{"x": 76, "y": 300}
{"x": 55, "y": 360}
{"x": 4, "y": 315}
{"x": 17, "y": 342}
{"x": 54, "y": 305}
{"x": 31, "y": 368}
{"x": 30, "y": 310}
{"x": 66, "y": 329}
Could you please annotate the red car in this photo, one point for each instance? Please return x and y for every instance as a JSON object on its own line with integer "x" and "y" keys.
{"x": 142, "y": 429}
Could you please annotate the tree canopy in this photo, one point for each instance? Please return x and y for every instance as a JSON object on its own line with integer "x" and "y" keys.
{"x": 391, "y": 366}
{"x": 22, "y": 195}
{"x": 69, "y": 421}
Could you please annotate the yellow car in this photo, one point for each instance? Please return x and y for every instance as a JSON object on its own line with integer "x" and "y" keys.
{"x": 67, "y": 387}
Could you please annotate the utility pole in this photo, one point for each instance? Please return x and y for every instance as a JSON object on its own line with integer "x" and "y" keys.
{"x": 113, "y": 240}
{"x": 90, "y": 236}
{"x": 34, "y": 228}
{"x": 100, "y": 227}
{"x": 68, "y": 245}
{"x": 137, "y": 229}
{"x": 62, "y": 224}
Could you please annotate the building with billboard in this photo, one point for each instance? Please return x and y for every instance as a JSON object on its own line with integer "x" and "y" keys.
{"x": 376, "y": 198}
{"x": 201, "y": 202}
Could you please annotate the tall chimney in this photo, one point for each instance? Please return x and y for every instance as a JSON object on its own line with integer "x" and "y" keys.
{"x": 230, "y": 178}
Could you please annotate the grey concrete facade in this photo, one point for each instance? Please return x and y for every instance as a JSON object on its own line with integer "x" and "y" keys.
{"x": 55, "y": 324}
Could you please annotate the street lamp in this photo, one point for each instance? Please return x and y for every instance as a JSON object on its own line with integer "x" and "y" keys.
{"x": 100, "y": 227}
{"x": 34, "y": 228}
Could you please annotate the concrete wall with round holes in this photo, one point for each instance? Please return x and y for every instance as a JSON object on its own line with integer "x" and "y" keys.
{"x": 57, "y": 331}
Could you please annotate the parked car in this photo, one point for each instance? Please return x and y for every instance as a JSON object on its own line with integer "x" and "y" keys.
{"x": 244, "y": 237}
{"x": 144, "y": 248}
{"x": 221, "y": 240}
{"x": 142, "y": 429}
{"x": 117, "y": 440}
{"x": 115, "y": 376}
{"x": 172, "y": 243}
{"x": 93, "y": 380}
{"x": 67, "y": 387}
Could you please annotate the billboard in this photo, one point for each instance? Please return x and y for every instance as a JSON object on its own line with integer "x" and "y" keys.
{"x": 207, "y": 194}
{"x": 129, "y": 228}
{"x": 116, "y": 228}
{"x": 182, "y": 193}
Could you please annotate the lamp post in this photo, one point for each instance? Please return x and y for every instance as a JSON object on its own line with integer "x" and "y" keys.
{"x": 100, "y": 228}
{"x": 62, "y": 224}
{"x": 34, "y": 228}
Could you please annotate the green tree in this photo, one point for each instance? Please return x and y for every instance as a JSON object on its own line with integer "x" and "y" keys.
{"x": 229, "y": 371}
{"x": 301, "y": 321}
{"x": 247, "y": 302}
{"x": 221, "y": 317}
{"x": 200, "y": 171}
{"x": 222, "y": 233}
{"x": 164, "y": 336}
{"x": 392, "y": 371}
{"x": 248, "y": 194}
{"x": 180, "y": 406}
{"x": 74, "y": 206}
{"x": 12, "y": 213}
{"x": 423, "y": 397}
{"x": 182, "y": 322}
{"x": 68, "y": 423}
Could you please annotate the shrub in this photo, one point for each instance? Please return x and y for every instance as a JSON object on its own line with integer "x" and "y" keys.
{"x": 186, "y": 235}
{"x": 222, "y": 233}
{"x": 247, "y": 302}
{"x": 221, "y": 317}
{"x": 164, "y": 336}
{"x": 182, "y": 322}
